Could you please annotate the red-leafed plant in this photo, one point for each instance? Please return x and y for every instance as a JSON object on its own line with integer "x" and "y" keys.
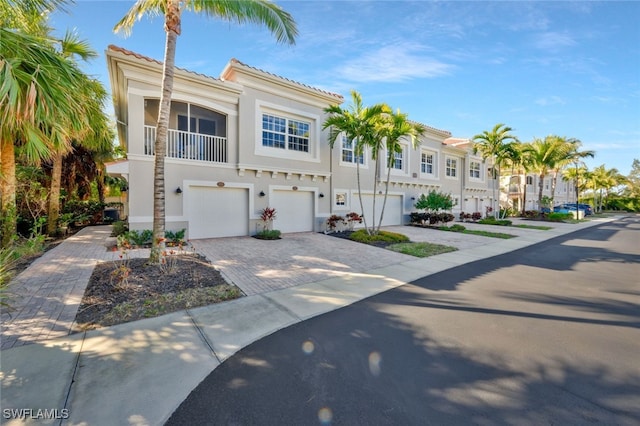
{"x": 352, "y": 219}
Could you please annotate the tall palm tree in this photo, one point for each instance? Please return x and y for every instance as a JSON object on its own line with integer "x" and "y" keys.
{"x": 546, "y": 156}
{"x": 568, "y": 152}
{"x": 36, "y": 111}
{"x": 520, "y": 162}
{"x": 279, "y": 22}
{"x": 95, "y": 95}
{"x": 577, "y": 175}
{"x": 359, "y": 125}
{"x": 397, "y": 126}
{"x": 603, "y": 180}
{"x": 495, "y": 145}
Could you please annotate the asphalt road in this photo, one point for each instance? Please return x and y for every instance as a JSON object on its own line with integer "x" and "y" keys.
{"x": 549, "y": 334}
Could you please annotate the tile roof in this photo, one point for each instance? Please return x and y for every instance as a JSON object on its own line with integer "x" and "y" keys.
{"x": 236, "y": 61}
{"x": 115, "y": 48}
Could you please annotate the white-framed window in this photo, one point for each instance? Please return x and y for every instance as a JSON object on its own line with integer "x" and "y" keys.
{"x": 348, "y": 154}
{"x": 400, "y": 160}
{"x": 474, "y": 169}
{"x": 341, "y": 199}
{"x": 451, "y": 167}
{"x": 427, "y": 162}
{"x": 529, "y": 180}
{"x": 285, "y": 133}
{"x": 546, "y": 183}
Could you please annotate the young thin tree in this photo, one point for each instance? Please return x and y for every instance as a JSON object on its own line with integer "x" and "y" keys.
{"x": 358, "y": 125}
{"x": 495, "y": 145}
{"x": 279, "y": 22}
{"x": 397, "y": 126}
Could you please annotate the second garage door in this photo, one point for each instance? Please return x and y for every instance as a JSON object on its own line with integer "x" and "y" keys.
{"x": 392, "y": 210}
{"x": 294, "y": 211}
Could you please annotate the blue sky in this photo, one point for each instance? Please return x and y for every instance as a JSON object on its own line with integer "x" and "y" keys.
{"x": 566, "y": 68}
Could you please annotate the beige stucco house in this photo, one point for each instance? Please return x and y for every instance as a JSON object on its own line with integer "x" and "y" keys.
{"x": 249, "y": 139}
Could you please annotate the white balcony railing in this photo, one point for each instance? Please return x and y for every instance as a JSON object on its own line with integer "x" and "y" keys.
{"x": 188, "y": 145}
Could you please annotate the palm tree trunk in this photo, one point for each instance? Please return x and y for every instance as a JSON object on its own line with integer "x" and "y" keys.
{"x": 386, "y": 193}
{"x": 8, "y": 218}
{"x": 376, "y": 175}
{"x": 172, "y": 27}
{"x": 54, "y": 194}
{"x": 540, "y": 187}
{"x": 100, "y": 184}
{"x": 364, "y": 217}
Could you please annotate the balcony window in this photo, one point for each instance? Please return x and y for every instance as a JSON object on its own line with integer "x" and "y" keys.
{"x": 474, "y": 170}
{"x": 194, "y": 133}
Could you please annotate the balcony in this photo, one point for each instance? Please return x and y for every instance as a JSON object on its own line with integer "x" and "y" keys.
{"x": 188, "y": 145}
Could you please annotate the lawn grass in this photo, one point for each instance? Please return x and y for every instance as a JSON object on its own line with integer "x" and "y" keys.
{"x": 541, "y": 228}
{"x": 421, "y": 249}
{"x": 488, "y": 234}
{"x": 461, "y": 229}
{"x": 362, "y": 236}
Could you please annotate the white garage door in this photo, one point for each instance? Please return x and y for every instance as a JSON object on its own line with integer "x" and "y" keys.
{"x": 294, "y": 211}
{"x": 217, "y": 212}
{"x": 392, "y": 210}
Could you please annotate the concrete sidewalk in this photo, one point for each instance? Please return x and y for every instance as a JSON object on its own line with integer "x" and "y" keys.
{"x": 139, "y": 372}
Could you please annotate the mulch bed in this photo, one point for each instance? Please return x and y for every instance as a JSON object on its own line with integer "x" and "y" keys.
{"x": 116, "y": 294}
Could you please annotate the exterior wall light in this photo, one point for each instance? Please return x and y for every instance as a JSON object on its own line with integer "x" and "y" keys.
{"x": 261, "y": 193}
{"x": 178, "y": 191}
{"x": 321, "y": 195}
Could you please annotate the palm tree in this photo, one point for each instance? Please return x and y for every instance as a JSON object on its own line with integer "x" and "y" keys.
{"x": 520, "y": 162}
{"x": 279, "y": 22}
{"x": 546, "y": 155}
{"x": 358, "y": 124}
{"x": 495, "y": 145}
{"x": 36, "y": 113}
{"x": 94, "y": 98}
{"x": 395, "y": 127}
{"x": 568, "y": 152}
{"x": 577, "y": 175}
{"x": 603, "y": 180}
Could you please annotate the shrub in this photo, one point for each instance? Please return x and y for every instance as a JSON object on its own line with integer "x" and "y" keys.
{"x": 268, "y": 234}
{"x": 418, "y": 218}
{"x": 352, "y": 218}
{"x": 362, "y": 236}
{"x": 7, "y": 262}
{"x": 531, "y": 214}
{"x": 475, "y": 216}
{"x": 434, "y": 201}
{"x": 135, "y": 238}
{"x": 456, "y": 228}
{"x": 558, "y": 217}
{"x": 175, "y": 238}
{"x": 334, "y": 221}
{"x": 267, "y": 216}
{"x": 493, "y": 221}
{"x": 119, "y": 228}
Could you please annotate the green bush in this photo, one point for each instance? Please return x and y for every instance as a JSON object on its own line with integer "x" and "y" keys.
{"x": 175, "y": 238}
{"x": 493, "y": 221}
{"x": 362, "y": 236}
{"x": 119, "y": 228}
{"x": 456, "y": 228}
{"x": 559, "y": 217}
{"x": 135, "y": 238}
{"x": 268, "y": 234}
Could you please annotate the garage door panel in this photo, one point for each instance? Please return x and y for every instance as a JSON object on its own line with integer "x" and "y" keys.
{"x": 392, "y": 210}
{"x": 294, "y": 211}
{"x": 218, "y": 212}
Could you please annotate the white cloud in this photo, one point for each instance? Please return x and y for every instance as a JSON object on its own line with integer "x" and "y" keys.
{"x": 553, "y": 41}
{"x": 399, "y": 62}
{"x": 551, "y": 100}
